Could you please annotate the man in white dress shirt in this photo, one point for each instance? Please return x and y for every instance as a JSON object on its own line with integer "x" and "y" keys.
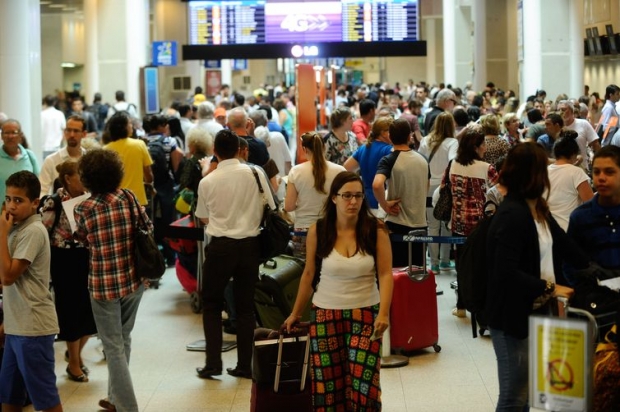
{"x": 73, "y": 134}
{"x": 230, "y": 203}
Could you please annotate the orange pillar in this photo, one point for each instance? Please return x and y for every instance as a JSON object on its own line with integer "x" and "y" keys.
{"x": 305, "y": 95}
{"x": 322, "y": 95}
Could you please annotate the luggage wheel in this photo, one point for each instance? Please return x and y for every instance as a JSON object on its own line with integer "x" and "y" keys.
{"x": 437, "y": 348}
{"x": 195, "y": 302}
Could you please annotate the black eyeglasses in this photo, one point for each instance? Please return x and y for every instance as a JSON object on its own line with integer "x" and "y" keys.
{"x": 348, "y": 196}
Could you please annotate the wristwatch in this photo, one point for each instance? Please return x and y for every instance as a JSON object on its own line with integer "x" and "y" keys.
{"x": 550, "y": 288}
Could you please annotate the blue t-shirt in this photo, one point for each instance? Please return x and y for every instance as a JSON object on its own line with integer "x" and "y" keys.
{"x": 547, "y": 143}
{"x": 368, "y": 159}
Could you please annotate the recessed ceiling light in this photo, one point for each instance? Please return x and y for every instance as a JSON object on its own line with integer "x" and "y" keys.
{"x": 69, "y": 9}
{"x": 44, "y": 2}
{"x": 57, "y": 6}
{"x": 67, "y": 65}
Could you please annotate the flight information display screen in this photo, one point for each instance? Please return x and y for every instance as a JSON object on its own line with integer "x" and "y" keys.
{"x": 393, "y": 20}
{"x": 237, "y": 22}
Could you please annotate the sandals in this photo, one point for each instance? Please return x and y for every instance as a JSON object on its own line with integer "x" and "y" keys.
{"x": 77, "y": 378}
{"x": 84, "y": 368}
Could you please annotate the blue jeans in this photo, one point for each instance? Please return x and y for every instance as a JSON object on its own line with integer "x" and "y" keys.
{"x": 512, "y": 371}
{"x": 115, "y": 320}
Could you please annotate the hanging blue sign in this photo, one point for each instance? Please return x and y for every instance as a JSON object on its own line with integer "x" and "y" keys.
{"x": 240, "y": 64}
{"x": 164, "y": 53}
{"x": 213, "y": 64}
{"x": 151, "y": 90}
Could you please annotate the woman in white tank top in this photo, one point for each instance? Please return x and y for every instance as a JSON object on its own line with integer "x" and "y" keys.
{"x": 348, "y": 249}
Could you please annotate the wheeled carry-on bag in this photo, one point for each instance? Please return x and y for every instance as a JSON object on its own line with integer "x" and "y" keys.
{"x": 413, "y": 314}
{"x": 276, "y": 290}
{"x": 280, "y": 378}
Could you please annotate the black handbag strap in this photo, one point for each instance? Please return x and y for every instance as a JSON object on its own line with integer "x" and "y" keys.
{"x": 447, "y": 174}
{"x": 430, "y": 158}
{"x": 260, "y": 186}
{"x": 132, "y": 200}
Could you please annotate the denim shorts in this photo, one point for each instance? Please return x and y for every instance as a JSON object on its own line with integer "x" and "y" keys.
{"x": 28, "y": 365}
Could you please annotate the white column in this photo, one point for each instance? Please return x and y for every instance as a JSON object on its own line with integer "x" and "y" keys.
{"x": 552, "y": 47}
{"x": 20, "y": 66}
{"x": 531, "y": 67}
{"x": 227, "y": 72}
{"x": 480, "y": 44}
{"x": 122, "y": 39}
{"x": 458, "y": 52}
{"x": 575, "y": 37}
{"x": 430, "y": 35}
{"x": 138, "y": 46}
{"x": 91, "y": 67}
{"x": 449, "y": 41}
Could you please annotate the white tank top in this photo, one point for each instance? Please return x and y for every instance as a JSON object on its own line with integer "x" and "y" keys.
{"x": 347, "y": 283}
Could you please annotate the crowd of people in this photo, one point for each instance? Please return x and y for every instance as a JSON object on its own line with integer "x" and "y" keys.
{"x": 550, "y": 166}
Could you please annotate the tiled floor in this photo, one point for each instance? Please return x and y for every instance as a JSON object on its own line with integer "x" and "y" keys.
{"x": 462, "y": 377}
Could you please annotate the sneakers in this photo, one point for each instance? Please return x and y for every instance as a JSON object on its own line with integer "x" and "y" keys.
{"x": 435, "y": 269}
{"x": 459, "y": 313}
{"x": 106, "y": 405}
{"x": 446, "y": 266}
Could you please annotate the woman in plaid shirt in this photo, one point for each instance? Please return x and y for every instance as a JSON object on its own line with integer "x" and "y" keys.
{"x": 104, "y": 224}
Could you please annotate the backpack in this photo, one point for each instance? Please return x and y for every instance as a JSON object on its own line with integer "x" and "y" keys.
{"x": 100, "y": 112}
{"x": 160, "y": 166}
{"x": 471, "y": 271}
{"x": 129, "y": 105}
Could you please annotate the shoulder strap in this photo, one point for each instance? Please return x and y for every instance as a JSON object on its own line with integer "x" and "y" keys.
{"x": 260, "y": 186}
{"x": 430, "y": 158}
{"x": 447, "y": 174}
{"x": 132, "y": 201}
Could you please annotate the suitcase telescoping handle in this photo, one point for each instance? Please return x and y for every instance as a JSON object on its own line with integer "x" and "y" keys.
{"x": 564, "y": 309}
{"x": 301, "y": 329}
{"x": 417, "y": 274}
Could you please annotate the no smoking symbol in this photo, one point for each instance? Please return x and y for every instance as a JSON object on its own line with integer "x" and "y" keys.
{"x": 560, "y": 375}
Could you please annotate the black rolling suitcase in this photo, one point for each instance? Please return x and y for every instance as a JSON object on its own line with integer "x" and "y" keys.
{"x": 280, "y": 378}
{"x": 276, "y": 290}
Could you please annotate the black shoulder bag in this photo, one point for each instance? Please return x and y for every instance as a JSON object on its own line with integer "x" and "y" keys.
{"x": 443, "y": 208}
{"x": 149, "y": 262}
{"x": 275, "y": 232}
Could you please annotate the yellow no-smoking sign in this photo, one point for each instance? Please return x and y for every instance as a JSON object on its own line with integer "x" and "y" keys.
{"x": 560, "y": 359}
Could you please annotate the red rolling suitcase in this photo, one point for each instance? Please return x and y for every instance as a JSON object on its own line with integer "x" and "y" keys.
{"x": 189, "y": 282}
{"x": 413, "y": 314}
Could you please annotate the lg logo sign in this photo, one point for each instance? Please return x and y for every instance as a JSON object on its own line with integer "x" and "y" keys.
{"x": 307, "y": 51}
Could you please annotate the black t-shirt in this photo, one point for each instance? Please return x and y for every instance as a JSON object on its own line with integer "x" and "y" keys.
{"x": 258, "y": 151}
{"x": 429, "y": 120}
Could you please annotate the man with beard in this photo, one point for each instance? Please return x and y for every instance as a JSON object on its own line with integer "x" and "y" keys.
{"x": 74, "y": 132}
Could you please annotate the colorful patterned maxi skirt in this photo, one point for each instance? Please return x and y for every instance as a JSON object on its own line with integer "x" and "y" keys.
{"x": 345, "y": 362}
